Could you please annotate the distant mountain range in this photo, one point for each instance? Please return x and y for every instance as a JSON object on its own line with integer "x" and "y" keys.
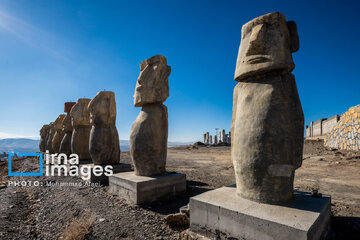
{"x": 27, "y": 145}
{"x": 24, "y": 145}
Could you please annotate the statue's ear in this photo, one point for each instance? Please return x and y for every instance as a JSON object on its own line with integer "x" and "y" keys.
{"x": 294, "y": 37}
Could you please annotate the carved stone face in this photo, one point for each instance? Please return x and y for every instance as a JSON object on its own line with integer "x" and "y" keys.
{"x": 152, "y": 85}
{"x": 80, "y": 115}
{"x": 51, "y": 127}
{"x": 266, "y": 45}
{"x": 58, "y": 124}
{"x": 102, "y": 108}
{"x": 44, "y": 130}
{"x": 67, "y": 127}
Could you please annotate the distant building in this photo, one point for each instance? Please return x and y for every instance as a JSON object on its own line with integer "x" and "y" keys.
{"x": 206, "y": 138}
{"x": 219, "y": 137}
{"x": 222, "y": 136}
{"x": 228, "y": 138}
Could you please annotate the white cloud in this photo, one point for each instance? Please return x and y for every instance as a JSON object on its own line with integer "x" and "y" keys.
{"x": 11, "y": 135}
{"x": 33, "y": 36}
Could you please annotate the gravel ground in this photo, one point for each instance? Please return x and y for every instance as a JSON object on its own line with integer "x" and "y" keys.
{"x": 52, "y": 212}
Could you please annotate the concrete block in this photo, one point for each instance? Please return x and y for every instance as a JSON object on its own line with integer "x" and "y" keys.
{"x": 103, "y": 179}
{"x": 221, "y": 214}
{"x": 140, "y": 189}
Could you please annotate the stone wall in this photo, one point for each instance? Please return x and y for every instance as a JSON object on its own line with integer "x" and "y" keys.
{"x": 345, "y": 134}
{"x": 317, "y": 128}
{"x": 308, "y": 131}
{"x": 321, "y": 127}
{"x": 329, "y": 124}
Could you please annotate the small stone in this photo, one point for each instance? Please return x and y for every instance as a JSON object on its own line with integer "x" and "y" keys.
{"x": 177, "y": 220}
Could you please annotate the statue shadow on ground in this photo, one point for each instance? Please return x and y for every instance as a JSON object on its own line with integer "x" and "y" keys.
{"x": 172, "y": 205}
{"x": 344, "y": 228}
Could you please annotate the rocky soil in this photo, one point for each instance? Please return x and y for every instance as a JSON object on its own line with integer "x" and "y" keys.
{"x": 90, "y": 212}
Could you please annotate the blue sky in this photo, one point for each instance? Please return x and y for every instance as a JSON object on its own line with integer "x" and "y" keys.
{"x": 57, "y": 51}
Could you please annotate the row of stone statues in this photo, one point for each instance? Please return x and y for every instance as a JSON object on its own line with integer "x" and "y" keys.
{"x": 88, "y": 127}
{"x": 267, "y": 121}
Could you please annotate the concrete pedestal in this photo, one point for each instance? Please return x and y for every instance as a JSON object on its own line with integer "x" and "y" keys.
{"x": 103, "y": 179}
{"x": 140, "y": 189}
{"x": 221, "y": 213}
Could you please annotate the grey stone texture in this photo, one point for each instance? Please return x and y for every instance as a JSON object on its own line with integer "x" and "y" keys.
{"x": 266, "y": 45}
{"x": 59, "y": 133}
{"x": 65, "y": 145}
{"x": 104, "y": 138}
{"x": 44, "y": 131}
{"x": 148, "y": 140}
{"x": 345, "y": 134}
{"x": 142, "y": 189}
{"x": 267, "y": 121}
{"x": 49, "y": 138}
{"x": 152, "y": 85}
{"x": 149, "y": 133}
{"x": 80, "y": 120}
{"x": 221, "y": 214}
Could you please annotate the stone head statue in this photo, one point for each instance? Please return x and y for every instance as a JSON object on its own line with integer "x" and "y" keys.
{"x": 44, "y": 130}
{"x": 102, "y": 108}
{"x": 152, "y": 85}
{"x": 51, "y": 127}
{"x": 58, "y": 124}
{"x": 266, "y": 45}
{"x": 80, "y": 115}
{"x": 67, "y": 126}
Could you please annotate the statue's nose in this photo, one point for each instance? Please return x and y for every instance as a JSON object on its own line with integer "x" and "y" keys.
{"x": 257, "y": 40}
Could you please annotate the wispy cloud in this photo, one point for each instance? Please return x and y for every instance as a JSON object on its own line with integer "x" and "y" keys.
{"x": 10, "y": 135}
{"x": 33, "y": 36}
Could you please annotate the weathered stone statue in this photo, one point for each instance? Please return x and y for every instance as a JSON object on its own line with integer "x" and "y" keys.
{"x": 267, "y": 122}
{"x": 49, "y": 138}
{"x": 59, "y": 134}
{"x": 44, "y": 131}
{"x": 80, "y": 119}
{"x": 149, "y": 133}
{"x": 104, "y": 138}
{"x": 65, "y": 145}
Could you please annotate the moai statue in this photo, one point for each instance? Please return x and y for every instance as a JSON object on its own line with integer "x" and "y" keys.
{"x": 267, "y": 121}
{"x": 44, "y": 131}
{"x": 80, "y": 120}
{"x": 65, "y": 145}
{"x": 59, "y": 134}
{"x": 49, "y": 138}
{"x": 149, "y": 133}
{"x": 104, "y": 138}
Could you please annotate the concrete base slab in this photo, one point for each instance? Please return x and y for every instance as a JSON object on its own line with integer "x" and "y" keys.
{"x": 222, "y": 214}
{"x": 140, "y": 189}
{"x": 103, "y": 179}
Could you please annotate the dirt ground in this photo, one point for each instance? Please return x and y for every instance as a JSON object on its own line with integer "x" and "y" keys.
{"x": 67, "y": 212}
